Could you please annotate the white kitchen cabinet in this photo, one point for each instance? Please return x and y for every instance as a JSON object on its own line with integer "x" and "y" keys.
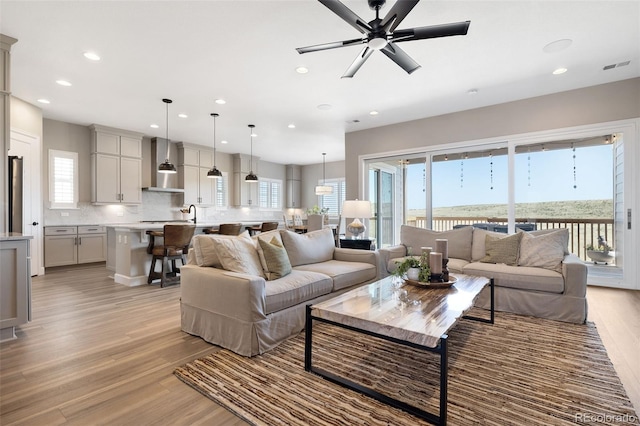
{"x": 193, "y": 165}
{"x": 15, "y": 285}
{"x": 70, "y": 245}
{"x": 244, "y": 194}
{"x": 116, "y": 160}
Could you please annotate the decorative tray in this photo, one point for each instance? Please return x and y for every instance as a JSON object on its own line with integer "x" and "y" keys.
{"x": 446, "y": 284}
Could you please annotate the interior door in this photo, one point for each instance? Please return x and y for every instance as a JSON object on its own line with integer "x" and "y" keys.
{"x": 28, "y": 147}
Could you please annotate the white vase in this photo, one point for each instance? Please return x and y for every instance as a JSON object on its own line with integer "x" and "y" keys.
{"x": 413, "y": 273}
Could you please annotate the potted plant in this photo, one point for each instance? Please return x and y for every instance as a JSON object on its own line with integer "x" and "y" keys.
{"x": 315, "y": 210}
{"x": 413, "y": 268}
{"x": 604, "y": 253}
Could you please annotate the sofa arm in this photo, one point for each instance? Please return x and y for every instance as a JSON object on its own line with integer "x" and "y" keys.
{"x": 574, "y": 272}
{"x": 392, "y": 252}
{"x": 238, "y": 296}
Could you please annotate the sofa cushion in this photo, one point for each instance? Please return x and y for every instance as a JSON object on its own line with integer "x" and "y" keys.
{"x": 542, "y": 251}
{"x": 205, "y": 252}
{"x": 312, "y": 247}
{"x": 478, "y": 248}
{"x": 502, "y": 249}
{"x": 456, "y": 265}
{"x": 295, "y": 288}
{"x": 459, "y": 245}
{"x": 344, "y": 274}
{"x": 238, "y": 255}
{"x": 266, "y": 236}
{"x": 276, "y": 259}
{"x": 520, "y": 277}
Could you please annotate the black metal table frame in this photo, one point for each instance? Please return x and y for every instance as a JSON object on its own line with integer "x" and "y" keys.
{"x": 441, "y": 349}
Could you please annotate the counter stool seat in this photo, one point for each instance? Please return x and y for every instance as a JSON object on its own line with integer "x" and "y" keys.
{"x": 175, "y": 246}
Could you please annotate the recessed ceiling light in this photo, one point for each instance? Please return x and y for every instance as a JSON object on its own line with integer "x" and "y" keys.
{"x": 63, "y": 83}
{"x": 154, "y": 126}
{"x": 92, "y": 56}
{"x": 220, "y": 101}
{"x": 559, "y": 71}
{"x": 44, "y": 101}
{"x": 302, "y": 70}
{"x": 374, "y": 112}
{"x": 557, "y": 46}
{"x": 324, "y": 107}
{"x": 291, "y": 126}
{"x": 224, "y": 141}
{"x": 472, "y": 91}
{"x": 183, "y": 115}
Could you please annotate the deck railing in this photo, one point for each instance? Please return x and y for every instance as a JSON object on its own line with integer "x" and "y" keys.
{"x": 582, "y": 232}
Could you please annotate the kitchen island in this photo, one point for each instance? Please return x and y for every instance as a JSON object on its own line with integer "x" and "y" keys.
{"x": 15, "y": 283}
{"x": 127, "y": 248}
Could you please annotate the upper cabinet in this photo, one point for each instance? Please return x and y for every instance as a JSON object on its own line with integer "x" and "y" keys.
{"x": 294, "y": 184}
{"x": 116, "y": 166}
{"x": 244, "y": 194}
{"x": 193, "y": 165}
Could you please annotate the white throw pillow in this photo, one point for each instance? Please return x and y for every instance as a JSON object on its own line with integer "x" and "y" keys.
{"x": 542, "y": 251}
{"x": 238, "y": 255}
{"x": 312, "y": 247}
{"x": 205, "y": 252}
{"x": 564, "y": 232}
{"x": 459, "y": 240}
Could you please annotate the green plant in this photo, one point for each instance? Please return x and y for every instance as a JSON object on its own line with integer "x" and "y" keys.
{"x": 603, "y": 248}
{"x": 413, "y": 262}
{"x": 317, "y": 210}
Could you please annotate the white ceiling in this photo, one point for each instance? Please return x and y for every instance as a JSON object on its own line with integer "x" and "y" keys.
{"x": 244, "y": 52}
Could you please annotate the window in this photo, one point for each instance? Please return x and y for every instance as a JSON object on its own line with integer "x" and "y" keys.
{"x": 221, "y": 191}
{"x": 333, "y": 201}
{"x": 270, "y": 194}
{"x": 63, "y": 179}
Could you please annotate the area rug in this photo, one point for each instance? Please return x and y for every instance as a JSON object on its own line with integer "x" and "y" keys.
{"x": 519, "y": 371}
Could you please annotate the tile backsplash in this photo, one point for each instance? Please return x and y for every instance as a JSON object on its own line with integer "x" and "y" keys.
{"x": 155, "y": 206}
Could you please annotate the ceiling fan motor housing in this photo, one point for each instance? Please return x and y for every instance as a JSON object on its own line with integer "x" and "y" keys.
{"x": 376, "y": 4}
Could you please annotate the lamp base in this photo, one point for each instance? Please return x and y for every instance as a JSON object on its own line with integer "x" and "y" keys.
{"x": 356, "y": 228}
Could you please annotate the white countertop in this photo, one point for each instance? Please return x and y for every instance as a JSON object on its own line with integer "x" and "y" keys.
{"x": 14, "y": 236}
{"x": 141, "y": 226}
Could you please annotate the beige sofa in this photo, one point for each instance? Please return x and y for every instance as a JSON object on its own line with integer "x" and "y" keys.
{"x": 247, "y": 307}
{"x": 545, "y": 280}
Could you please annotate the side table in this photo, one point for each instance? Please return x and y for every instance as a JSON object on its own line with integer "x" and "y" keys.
{"x": 356, "y": 244}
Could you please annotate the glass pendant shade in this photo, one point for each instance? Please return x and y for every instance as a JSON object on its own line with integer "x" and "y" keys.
{"x": 251, "y": 177}
{"x": 167, "y": 166}
{"x": 214, "y": 173}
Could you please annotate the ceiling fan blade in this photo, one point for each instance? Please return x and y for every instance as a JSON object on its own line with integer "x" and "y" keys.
{"x": 355, "y": 66}
{"x": 347, "y": 15}
{"x": 432, "y": 31}
{"x": 397, "y": 13}
{"x": 400, "y": 57}
{"x": 334, "y": 45}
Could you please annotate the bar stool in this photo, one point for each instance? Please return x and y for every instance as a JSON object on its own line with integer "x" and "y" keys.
{"x": 225, "y": 229}
{"x": 175, "y": 246}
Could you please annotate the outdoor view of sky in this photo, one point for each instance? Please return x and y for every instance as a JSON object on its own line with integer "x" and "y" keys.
{"x": 546, "y": 176}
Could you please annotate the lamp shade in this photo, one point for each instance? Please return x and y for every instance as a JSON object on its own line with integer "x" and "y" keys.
{"x": 356, "y": 209}
{"x": 324, "y": 190}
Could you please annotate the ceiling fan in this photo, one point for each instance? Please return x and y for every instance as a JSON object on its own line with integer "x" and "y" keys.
{"x": 381, "y": 34}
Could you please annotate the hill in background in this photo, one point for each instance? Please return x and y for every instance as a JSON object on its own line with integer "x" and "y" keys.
{"x": 582, "y": 209}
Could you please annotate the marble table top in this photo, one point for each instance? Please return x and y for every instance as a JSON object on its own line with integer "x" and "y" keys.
{"x": 415, "y": 314}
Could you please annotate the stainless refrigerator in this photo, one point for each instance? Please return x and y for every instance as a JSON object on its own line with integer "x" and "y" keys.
{"x": 15, "y": 194}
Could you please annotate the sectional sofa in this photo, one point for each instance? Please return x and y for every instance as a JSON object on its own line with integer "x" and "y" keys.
{"x": 249, "y": 294}
{"x": 533, "y": 271}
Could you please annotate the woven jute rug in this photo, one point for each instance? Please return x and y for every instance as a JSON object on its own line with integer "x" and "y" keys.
{"x": 518, "y": 371}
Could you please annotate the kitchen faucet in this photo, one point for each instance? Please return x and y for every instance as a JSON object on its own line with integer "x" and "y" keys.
{"x": 194, "y": 212}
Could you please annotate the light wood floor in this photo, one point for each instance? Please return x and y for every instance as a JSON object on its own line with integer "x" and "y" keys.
{"x": 102, "y": 353}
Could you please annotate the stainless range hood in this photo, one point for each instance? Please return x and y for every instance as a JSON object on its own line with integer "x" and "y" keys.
{"x": 163, "y": 182}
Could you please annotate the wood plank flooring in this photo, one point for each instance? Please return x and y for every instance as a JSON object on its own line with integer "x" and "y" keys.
{"x": 98, "y": 352}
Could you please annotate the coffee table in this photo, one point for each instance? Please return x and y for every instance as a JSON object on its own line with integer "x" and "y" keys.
{"x": 414, "y": 316}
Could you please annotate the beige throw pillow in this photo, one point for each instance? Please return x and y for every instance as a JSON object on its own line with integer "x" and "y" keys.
{"x": 459, "y": 245}
{"x": 478, "y": 250}
{"x": 312, "y": 247}
{"x": 238, "y": 255}
{"x": 204, "y": 251}
{"x": 276, "y": 258}
{"x": 542, "y": 251}
{"x": 562, "y": 232}
{"x": 266, "y": 236}
{"x": 502, "y": 250}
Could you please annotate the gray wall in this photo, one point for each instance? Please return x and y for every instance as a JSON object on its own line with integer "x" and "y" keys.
{"x": 311, "y": 173}
{"x": 597, "y": 104}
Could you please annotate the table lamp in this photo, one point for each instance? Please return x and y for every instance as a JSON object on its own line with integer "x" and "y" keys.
{"x": 356, "y": 209}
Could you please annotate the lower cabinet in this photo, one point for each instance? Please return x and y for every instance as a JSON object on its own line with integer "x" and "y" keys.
{"x": 69, "y": 245}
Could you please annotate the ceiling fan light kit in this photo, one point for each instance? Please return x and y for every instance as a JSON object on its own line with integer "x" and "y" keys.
{"x": 380, "y": 34}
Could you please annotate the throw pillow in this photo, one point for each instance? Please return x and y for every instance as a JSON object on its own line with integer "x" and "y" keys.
{"x": 542, "y": 251}
{"x": 238, "y": 255}
{"x": 204, "y": 251}
{"x": 478, "y": 250}
{"x": 267, "y": 236}
{"x": 502, "y": 250}
{"x": 564, "y": 232}
{"x": 459, "y": 240}
{"x": 276, "y": 258}
{"x": 312, "y": 247}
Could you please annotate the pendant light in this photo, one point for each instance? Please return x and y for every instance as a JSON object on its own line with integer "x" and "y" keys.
{"x": 324, "y": 189}
{"x": 214, "y": 173}
{"x": 251, "y": 177}
{"x": 167, "y": 167}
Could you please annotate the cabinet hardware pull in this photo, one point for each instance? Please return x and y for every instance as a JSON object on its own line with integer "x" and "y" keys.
{"x": 80, "y": 241}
